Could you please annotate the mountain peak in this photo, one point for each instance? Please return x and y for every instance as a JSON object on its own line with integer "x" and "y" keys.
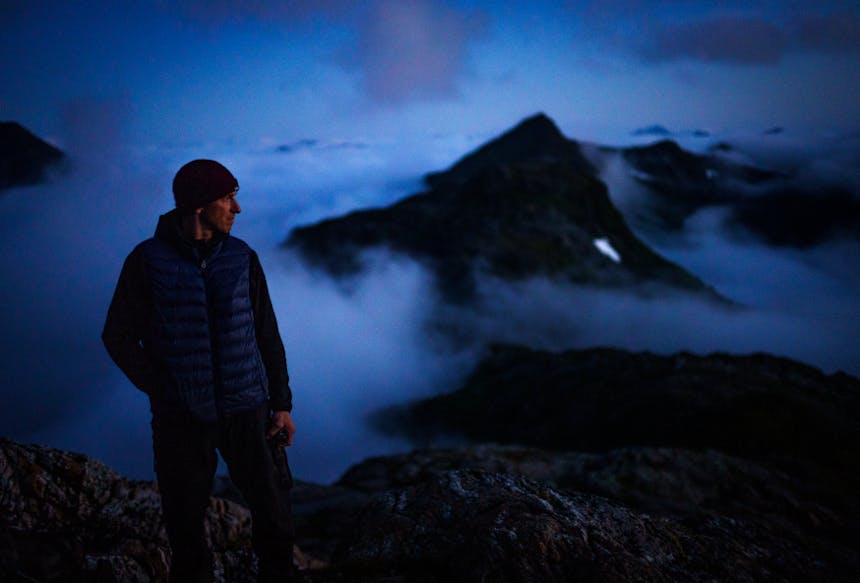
{"x": 535, "y": 138}
{"x": 539, "y": 126}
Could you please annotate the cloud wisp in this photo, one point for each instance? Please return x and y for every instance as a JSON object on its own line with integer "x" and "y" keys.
{"x": 414, "y": 49}
{"x": 753, "y": 40}
{"x": 217, "y": 13}
{"x": 725, "y": 40}
{"x": 403, "y": 50}
{"x": 65, "y": 244}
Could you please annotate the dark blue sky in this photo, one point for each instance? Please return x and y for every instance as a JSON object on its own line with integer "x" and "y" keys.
{"x": 195, "y": 70}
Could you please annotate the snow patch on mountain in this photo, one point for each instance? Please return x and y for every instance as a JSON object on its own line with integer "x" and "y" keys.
{"x": 604, "y": 246}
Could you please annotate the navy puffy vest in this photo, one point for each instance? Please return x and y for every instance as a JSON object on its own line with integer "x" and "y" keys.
{"x": 202, "y": 330}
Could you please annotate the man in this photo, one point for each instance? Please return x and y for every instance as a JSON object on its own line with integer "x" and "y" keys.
{"x": 191, "y": 324}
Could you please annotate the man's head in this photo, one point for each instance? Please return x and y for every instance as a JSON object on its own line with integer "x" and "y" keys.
{"x": 206, "y": 190}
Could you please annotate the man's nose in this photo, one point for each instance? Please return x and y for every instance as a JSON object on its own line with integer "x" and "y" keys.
{"x": 236, "y": 208}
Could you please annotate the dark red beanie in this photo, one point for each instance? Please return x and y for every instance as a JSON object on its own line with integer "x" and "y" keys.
{"x": 200, "y": 182}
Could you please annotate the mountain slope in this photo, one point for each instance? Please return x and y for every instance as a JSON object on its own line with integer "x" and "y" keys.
{"x": 773, "y": 206}
{"x": 526, "y": 204}
{"x": 24, "y": 158}
{"x": 535, "y": 139}
{"x": 757, "y": 406}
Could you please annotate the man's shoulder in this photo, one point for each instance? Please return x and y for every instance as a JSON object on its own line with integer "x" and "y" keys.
{"x": 238, "y": 243}
{"x": 140, "y": 249}
{"x": 235, "y": 245}
{"x": 145, "y": 247}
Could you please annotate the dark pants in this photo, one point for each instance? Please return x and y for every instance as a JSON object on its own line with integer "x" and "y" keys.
{"x": 185, "y": 462}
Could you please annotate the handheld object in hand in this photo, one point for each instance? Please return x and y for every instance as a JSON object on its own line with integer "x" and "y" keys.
{"x": 281, "y": 438}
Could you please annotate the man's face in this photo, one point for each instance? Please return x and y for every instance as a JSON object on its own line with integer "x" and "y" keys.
{"x": 219, "y": 214}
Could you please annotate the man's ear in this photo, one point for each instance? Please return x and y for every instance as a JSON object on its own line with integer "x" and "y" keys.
{"x": 198, "y": 211}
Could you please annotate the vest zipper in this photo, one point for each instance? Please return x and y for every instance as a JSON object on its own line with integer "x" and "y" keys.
{"x": 216, "y": 370}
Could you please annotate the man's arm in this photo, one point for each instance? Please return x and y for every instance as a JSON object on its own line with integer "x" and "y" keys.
{"x": 272, "y": 351}
{"x": 124, "y": 328}
{"x": 269, "y": 340}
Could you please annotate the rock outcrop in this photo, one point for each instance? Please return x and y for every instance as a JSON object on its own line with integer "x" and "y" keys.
{"x": 24, "y": 158}
{"x": 673, "y": 481}
{"x": 477, "y": 526}
{"x": 487, "y": 513}
{"x": 66, "y": 517}
{"x": 756, "y": 406}
{"x": 526, "y": 204}
{"x": 793, "y": 216}
{"x": 757, "y": 438}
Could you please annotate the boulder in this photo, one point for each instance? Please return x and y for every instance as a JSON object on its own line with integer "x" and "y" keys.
{"x": 67, "y": 517}
{"x": 472, "y": 525}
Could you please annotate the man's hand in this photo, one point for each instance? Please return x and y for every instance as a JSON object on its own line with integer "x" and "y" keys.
{"x": 282, "y": 420}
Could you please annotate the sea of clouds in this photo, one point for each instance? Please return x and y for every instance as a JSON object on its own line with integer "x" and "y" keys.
{"x": 354, "y": 346}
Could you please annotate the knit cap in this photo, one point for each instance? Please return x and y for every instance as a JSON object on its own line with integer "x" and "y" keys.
{"x": 200, "y": 182}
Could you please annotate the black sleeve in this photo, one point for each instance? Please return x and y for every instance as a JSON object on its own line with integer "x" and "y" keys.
{"x": 269, "y": 340}
{"x": 125, "y": 327}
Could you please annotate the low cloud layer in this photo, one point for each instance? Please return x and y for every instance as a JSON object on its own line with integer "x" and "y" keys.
{"x": 350, "y": 348}
{"x": 65, "y": 242}
{"x": 359, "y": 344}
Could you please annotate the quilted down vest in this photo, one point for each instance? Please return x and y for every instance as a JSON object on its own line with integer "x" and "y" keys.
{"x": 202, "y": 329}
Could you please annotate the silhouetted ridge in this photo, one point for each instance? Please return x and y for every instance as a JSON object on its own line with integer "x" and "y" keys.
{"x": 534, "y": 139}
{"x": 773, "y": 206}
{"x": 754, "y": 406}
{"x": 24, "y": 158}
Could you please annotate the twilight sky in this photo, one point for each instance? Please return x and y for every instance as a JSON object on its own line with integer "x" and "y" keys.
{"x": 196, "y": 71}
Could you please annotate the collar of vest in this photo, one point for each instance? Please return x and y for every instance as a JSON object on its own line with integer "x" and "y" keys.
{"x": 169, "y": 230}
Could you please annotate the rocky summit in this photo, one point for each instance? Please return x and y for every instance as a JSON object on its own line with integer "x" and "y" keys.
{"x": 66, "y": 517}
{"x": 485, "y": 513}
{"x": 525, "y": 204}
{"x": 469, "y": 525}
{"x": 24, "y": 158}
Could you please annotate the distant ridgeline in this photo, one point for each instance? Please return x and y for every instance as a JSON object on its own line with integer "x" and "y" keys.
{"x": 527, "y": 203}
{"x": 773, "y": 206}
{"x": 24, "y": 158}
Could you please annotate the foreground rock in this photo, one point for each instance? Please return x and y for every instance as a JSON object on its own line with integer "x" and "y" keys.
{"x": 66, "y": 517}
{"x": 478, "y": 526}
{"x": 435, "y": 516}
{"x": 24, "y": 158}
{"x": 667, "y": 481}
